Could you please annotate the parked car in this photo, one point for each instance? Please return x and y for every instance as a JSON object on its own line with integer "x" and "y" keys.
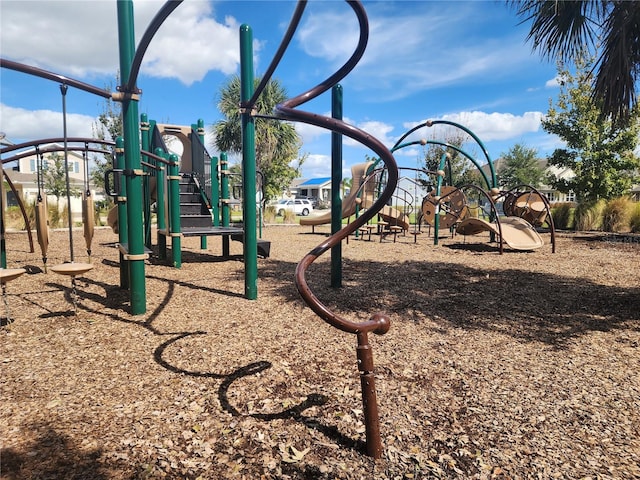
{"x": 299, "y": 206}
{"x": 313, "y": 200}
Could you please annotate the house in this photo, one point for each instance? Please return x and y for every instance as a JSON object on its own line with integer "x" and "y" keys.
{"x": 552, "y": 195}
{"x": 319, "y": 188}
{"x": 24, "y": 177}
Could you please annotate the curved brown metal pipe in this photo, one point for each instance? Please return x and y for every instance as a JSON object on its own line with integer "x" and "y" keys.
{"x": 56, "y": 77}
{"x": 287, "y": 111}
{"x": 379, "y": 323}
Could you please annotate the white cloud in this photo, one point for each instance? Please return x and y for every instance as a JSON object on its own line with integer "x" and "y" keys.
{"x": 377, "y": 129}
{"x": 553, "y": 83}
{"x": 80, "y": 39}
{"x": 309, "y": 133}
{"x": 76, "y": 38}
{"x": 486, "y": 126}
{"x": 24, "y": 125}
{"x": 316, "y": 166}
{"x": 190, "y": 43}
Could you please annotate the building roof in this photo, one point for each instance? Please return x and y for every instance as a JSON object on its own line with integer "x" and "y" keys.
{"x": 315, "y": 182}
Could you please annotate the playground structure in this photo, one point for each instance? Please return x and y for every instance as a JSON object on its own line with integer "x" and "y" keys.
{"x": 524, "y": 210}
{"x": 512, "y": 217}
{"x": 191, "y": 200}
{"x": 130, "y": 168}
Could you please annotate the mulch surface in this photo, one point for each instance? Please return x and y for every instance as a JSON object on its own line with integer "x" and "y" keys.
{"x": 521, "y": 365}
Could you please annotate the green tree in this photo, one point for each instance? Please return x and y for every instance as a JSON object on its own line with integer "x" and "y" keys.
{"x": 520, "y": 166}
{"x": 277, "y": 142}
{"x": 108, "y": 127}
{"x": 55, "y": 178}
{"x": 598, "y": 151}
{"x": 605, "y": 29}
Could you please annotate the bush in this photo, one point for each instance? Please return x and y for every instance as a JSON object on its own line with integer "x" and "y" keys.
{"x": 289, "y": 217}
{"x": 13, "y": 218}
{"x": 269, "y": 214}
{"x": 563, "y": 215}
{"x": 55, "y": 217}
{"x": 588, "y": 215}
{"x": 634, "y": 218}
{"x": 616, "y": 214}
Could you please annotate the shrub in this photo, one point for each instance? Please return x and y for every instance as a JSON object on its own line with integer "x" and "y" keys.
{"x": 269, "y": 214}
{"x": 289, "y": 217}
{"x": 54, "y": 216}
{"x": 615, "y": 215}
{"x": 588, "y": 215}
{"x": 563, "y": 215}
{"x": 634, "y": 218}
{"x": 13, "y": 218}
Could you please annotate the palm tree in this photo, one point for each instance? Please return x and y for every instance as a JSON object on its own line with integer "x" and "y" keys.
{"x": 608, "y": 30}
{"x": 277, "y": 142}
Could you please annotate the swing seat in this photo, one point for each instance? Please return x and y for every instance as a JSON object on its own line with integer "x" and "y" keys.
{"x": 8, "y": 274}
{"x": 72, "y": 269}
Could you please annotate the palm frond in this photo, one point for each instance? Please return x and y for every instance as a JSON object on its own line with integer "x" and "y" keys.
{"x": 562, "y": 29}
{"x": 619, "y": 62}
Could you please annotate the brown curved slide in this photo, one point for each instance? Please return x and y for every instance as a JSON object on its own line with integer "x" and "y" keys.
{"x": 516, "y": 232}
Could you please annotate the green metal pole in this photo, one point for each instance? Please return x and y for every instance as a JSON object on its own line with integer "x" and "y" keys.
{"x": 174, "y": 209}
{"x": 250, "y": 244}
{"x": 123, "y": 224}
{"x": 224, "y": 189}
{"x": 145, "y": 135}
{"x": 224, "y": 201}
{"x": 336, "y": 180}
{"x": 199, "y": 129}
{"x": 215, "y": 191}
{"x": 160, "y": 208}
{"x": 132, "y": 161}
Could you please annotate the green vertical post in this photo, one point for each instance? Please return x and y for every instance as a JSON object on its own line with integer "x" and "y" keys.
{"x": 123, "y": 224}
{"x": 336, "y": 180}
{"x": 160, "y": 208}
{"x": 250, "y": 244}
{"x": 224, "y": 189}
{"x": 136, "y": 255}
{"x": 145, "y": 136}
{"x": 199, "y": 129}
{"x": 215, "y": 192}
{"x": 224, "y": 201}
{"x": 174, "y": 209}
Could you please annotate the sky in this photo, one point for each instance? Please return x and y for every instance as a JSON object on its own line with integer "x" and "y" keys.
{"x": 466, "y": 62}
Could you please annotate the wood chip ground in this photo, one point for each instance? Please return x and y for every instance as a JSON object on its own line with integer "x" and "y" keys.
{"x": 515, "y": 366}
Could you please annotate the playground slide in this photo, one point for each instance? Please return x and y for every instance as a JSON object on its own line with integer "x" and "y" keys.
{"x": 516, "y": 232}
{"x": 349, "y": 203}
